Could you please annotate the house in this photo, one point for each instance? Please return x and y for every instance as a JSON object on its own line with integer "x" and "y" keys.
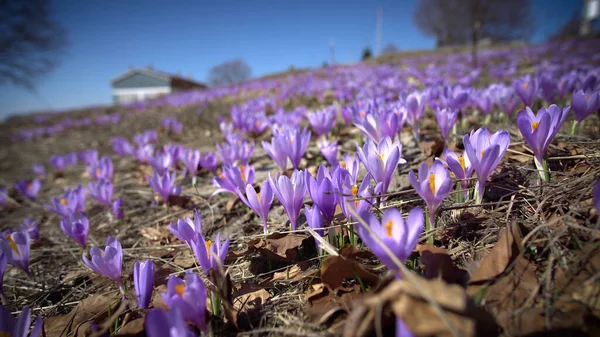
{"x": 139, "y": 84}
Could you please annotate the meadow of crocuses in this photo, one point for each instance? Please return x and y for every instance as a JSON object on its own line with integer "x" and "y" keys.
{"x": 147, "y": 218}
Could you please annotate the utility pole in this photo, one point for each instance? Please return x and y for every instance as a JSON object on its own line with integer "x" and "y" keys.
{"x": 591, "y": 11}
{"x": 332, "y": 51}
{"x": 378, "y": 30}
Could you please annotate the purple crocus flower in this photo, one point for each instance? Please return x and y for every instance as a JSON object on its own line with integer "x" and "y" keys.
{"x": 122, "y": 147}
{"x": 3, "y": 264}
{"x": 146, "y": 137}
{"x": 143, "y": 282}
{"x": 415, "y": 109}
{"x": 434, "y": 185}
{"x": 191, "y": 160}
{"x": 584, "y": 104}
{"x": 29, "y": 189}
{"x": 398, "y": 234}
{"x": 329, "y": 150}
{"x": 107, "y": 262}
{"x": 455, "y": 97}
{"x": 175, "y": 150}
{"x": 161, "y": 162}
{"x": 485, "y": 151}
{"x": 3, "y": 196}
{"x": 314, "y": 218}
{"x": 209, "y": 161}
{"x": 170, "y": 323}
{"x": 296, "y": 142}
{"x": 189, "y": 297}
{"x": 39, "y": 170}
{"x": 164, "y": 185}
{"x": 101, "y": 191}
{"x": 11, "y": 327}
{"x": 64, "y": 206}
{"x": 15, "y": 246}
{"x": 381, "y": 160}
{"x": 76, "y": 227}
{"x": 144, "y": 153}
{"x": 290, "y": 193}
{"x": 233, "y": 178}
{"x": 350, "y": 192}
{"x": 352, "y": 164}
{"x": 171, "y": 123}
{"x": 117, "y": 208}
{"x": 88, "y": 157}
{"x": 71, "y": 158}
{"x": 323, "y": 193}
{"x": 539, "y": 130}
{"x": 80, "y": 193}
{"x": 322, "y": 121}
{"x": 260, "y": 202}
{"x": 210, "y": 255}
{"x": 377, "y": 122}
{"x": 526, "y": 88}
{"x": 185, "y": 230}
{"x": 102, "y": 169}
{"x": 461, "y": 167}
{"x": 237, "y": 153}
{"x": 446, "y": 119}
{"x": 31, "y": 227}
{"x": 276, "y": 152}
{"x": 401, "y": 329}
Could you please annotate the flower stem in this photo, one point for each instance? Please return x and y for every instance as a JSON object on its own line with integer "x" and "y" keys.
{"x": 574, "y": 127}
{"x": 479, "y": 190}
{"x": 215, "y": 302}
{"x": 542, "y": 168}
{"x": 428, "y": 224}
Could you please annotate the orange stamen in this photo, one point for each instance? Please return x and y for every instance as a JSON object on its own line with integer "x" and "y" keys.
{"x": 534, "y": 126}
{"x": 243, "y": 172}
{"x": 432, "y": 183}
{"x": 64, "y": 202}
{"x": 388, "y": 228}
{"x": 180, "y": 288}
{"x": 208, "y": 245}
{"x": 12, "y": 243}
{"x": 461, "y": 160}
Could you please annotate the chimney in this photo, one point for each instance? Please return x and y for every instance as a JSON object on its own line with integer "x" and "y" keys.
{"x": 150, "y": 66}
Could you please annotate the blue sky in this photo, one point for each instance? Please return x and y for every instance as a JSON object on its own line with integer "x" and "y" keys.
{"x": 105, "y": 37}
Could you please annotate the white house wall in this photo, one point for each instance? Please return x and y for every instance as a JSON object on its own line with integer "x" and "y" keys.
{"x": 129, "y": 95}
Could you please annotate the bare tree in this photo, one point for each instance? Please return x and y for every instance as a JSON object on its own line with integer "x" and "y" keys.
{"x": 366, "y": 54}
{"x": 454, "y": 22}
{"x": 31, "y": 43}
{"x": 569, "y": 30}
{"x": 390, "y": 48}
{"x": 229, "y": 72}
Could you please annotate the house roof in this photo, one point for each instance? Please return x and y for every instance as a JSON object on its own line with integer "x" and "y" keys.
{"x": 154, "y": 73}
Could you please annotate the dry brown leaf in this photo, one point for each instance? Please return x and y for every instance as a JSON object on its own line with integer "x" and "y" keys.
{"x": 505, "y": 280}
{"x": 185, "y": 259}
{"x": 133, "y": 328}
{"x": 156, "y": 236}
{"x": 294, "y": 273}
{"x": 93, "y": 307}
{"x": 278, "y": 246}
{"x": 230, "y": 204}
{"x": 438, "y": 264}
{"x": 335, "y": 269}
{"x": 326, "y": 307}
{"x": 402, "y": 299}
